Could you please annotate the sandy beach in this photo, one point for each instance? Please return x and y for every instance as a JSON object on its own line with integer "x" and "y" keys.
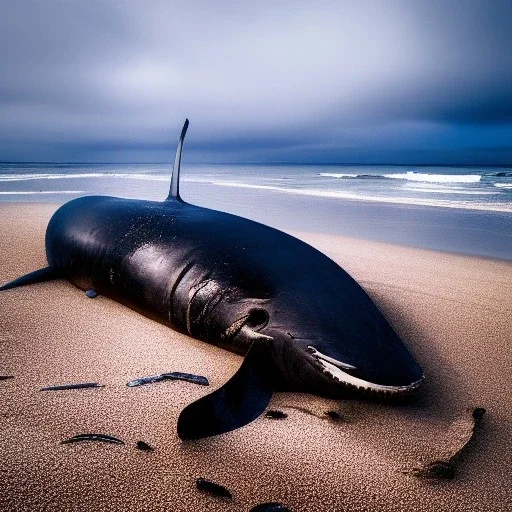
{"x": 454, "y": 313}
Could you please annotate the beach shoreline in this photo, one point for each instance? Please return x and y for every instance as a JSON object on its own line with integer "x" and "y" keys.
{"x": 454, "y": 312}
{"x": 458, "y": 209}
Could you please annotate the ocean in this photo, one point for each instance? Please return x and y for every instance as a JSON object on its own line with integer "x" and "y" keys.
{"x": 459, "y": 209}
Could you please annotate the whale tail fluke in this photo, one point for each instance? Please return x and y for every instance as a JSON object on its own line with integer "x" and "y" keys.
{"x": 38, "y": 276}
{"x": 241, "y": 400}
{"x": 174, "y": 190}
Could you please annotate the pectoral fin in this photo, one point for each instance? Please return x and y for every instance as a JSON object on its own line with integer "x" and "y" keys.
{"x": 241, "y": 400}
{"x": 38, "y": 276}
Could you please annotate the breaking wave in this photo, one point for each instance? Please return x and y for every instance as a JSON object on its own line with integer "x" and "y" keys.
{"x": 411, "y": 176}
{"x": 499, "y": 174}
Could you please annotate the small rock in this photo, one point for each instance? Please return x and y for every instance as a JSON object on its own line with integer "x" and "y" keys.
{"x": 276, "y": 415}
{"x": 145, "y": 447}
{"x": 218, "y": 490}
{"x": 270, "y": 507}
{"x": 334, "y": 415}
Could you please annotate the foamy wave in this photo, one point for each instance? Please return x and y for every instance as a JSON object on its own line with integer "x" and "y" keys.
{"x": 337, "y": 194}
{"x": 37, "y": 192}
{"x": 338, "y": 175}
{"x": 411, "y": 176}
{"x": 436, "y": 178}
{"x": 503, "y": 185}
{"x": 500, "y": 174}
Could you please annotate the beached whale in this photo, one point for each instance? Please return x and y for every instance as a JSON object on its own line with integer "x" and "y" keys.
{"x": 302, "y": 321}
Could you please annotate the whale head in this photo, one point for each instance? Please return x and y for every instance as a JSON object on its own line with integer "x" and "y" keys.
{"x": 379, "y": 367}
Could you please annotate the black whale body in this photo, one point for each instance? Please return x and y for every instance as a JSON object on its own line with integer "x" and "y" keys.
{"x": 303, "y": 322}
{"x": 201, "y": 271}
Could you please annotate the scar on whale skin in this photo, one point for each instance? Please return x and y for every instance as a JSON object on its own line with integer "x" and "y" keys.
{"x": 445, "y": 468}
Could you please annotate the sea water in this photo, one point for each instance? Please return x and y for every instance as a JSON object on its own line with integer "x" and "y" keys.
{"x": 461, "y": 209}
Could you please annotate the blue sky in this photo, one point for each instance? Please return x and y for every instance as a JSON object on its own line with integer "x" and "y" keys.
{"x": 305, "y": 82}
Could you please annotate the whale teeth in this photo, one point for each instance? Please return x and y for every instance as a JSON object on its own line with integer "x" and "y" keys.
{"x": 335, "y": 362}
{"x": 254, "y": 335}
{"x": 336, "y": 373}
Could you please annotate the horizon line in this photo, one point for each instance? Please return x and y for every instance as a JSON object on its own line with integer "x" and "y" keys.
{"x": 19, "y": 162}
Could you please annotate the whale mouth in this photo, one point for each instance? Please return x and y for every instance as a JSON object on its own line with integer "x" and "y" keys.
{"x": 335, "y": 369}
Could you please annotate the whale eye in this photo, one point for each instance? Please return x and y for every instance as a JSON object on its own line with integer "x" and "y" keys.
{"x": 258, "y": 318}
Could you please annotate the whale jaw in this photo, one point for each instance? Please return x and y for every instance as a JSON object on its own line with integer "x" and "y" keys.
{"x": 338, "y": 371}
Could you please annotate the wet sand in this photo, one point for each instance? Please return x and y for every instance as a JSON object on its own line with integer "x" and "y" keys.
{"x": 454, "y": 313}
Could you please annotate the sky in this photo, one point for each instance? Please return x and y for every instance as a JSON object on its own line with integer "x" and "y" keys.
{"x": 390, "y": 81}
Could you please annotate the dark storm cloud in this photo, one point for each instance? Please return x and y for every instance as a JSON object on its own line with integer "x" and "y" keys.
{"x": 261, "y": 81}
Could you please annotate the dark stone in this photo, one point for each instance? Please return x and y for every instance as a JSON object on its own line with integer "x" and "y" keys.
{"x": 270, "y": 507}
{"x": 276, "y": 415}
{"x": 145, "y": 447}
{"x": 211, "y": 487}
{"x": 334, "y": 415}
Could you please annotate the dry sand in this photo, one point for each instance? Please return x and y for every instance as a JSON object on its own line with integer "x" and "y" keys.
{"x": 454, "y": 312}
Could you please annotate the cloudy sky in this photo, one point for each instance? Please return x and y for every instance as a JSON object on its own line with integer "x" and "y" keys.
{"x": 363, "y": 81}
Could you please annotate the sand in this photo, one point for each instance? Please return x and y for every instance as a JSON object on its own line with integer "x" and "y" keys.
{"x": 454, "y": 312}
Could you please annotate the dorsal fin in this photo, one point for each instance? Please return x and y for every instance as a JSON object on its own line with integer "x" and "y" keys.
{"x": 174, "y": 190}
